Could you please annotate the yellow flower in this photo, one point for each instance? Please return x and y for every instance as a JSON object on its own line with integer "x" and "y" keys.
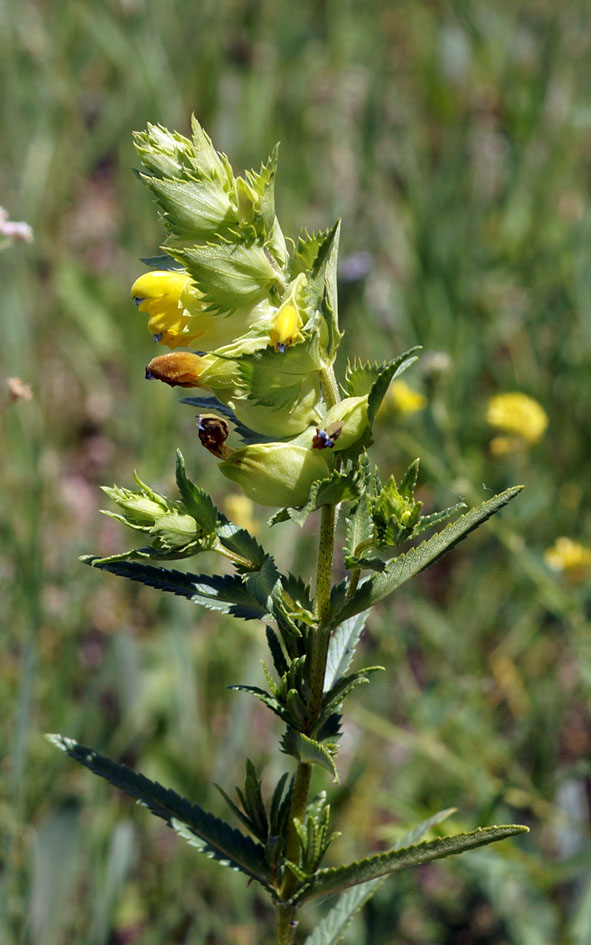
{"x": 159, "y": 294}
{"x": 286, "y": 326}
{"x": 570, "y": 557}
{"x": 518, "y": 414}
{"x": 402, "y": 400}
{"x": 178, "y": 316}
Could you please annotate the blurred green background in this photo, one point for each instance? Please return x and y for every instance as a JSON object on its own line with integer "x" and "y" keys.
{"x": 454, "y": 140}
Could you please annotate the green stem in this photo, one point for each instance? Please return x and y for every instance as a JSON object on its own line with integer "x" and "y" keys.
{"x": 234, "y": 557}
{"x": 330, "y": 388}
{"x": 316, "y": 661}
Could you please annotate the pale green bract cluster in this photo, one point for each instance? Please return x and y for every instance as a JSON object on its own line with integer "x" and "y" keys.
{"x": 262, "y": 318}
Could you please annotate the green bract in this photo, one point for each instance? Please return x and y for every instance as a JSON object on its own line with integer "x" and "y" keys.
{"x": 276, "y": 473}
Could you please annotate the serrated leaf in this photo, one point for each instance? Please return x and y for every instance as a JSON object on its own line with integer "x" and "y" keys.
{"x": 218, "y": 840}
{"x": 324, "y": 274}
{"x": 212, "y": 163}
{"x": 163, "y": 262}
{"x": 306, "y": 251}
{"x": 405, "y": 566}
{"x": 298, "y": 590}
{"x": 239, "y": 541}
{"x": 229, "y": 275}
{"x": 263, "y": 183}
{"x": 381, "y": 864}
{"x": 359, "y": 528}
{"x": 341, "y": 648}
{"x": 415, "y": 833}
{"x": 263, "y": 697}
{"x": 360, "y": 376}
{"x": 344, "y": 686}
{"x": 367, "y": 564}
{"x": 332, "y": 927}
{"x": 387, "y": 373}
{"x": 308, "y": 751}
{"x": 264, "y": 583}
{"x": 279, "y": 661}
{"x": 225, "y": 593}
{"x": 428, "y": 521}
{"x": 195, "y": 500}
{"x": 242, "y": 817}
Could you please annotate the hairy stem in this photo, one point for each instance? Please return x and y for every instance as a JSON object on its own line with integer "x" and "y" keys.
{"x": 316, "y": 661}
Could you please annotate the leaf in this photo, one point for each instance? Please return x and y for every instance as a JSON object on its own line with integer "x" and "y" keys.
{"x": 341, "y": 648}
{"x": 333, "y": 926}
{"x": 428, "y": 521}
{"x": 239, "y": 541}
{"x": 306, "y": 251}
{"x": 217, "y": 839}
{"x": 345, "y": 685}
{"x": 196, "y": 501}
{"x": 229, "y": 275}
{"x": 162, "y": 262}
{"x": 263, "y": 584}
{"x": 415, "y": 833}
{"x": 367, "y": 564}
{"x": 278, "y": 656}
{"x": 405, "y": 566}
{"x": 265, "y": 698}
{"x": 275, "y": 380}
{"x": 263, "y": 182}
{"x": 381, "y": 864}
{"x": 338, "y": 487}
{"x": 387, "y": 373}
{"x": 325, "y": 269}
{"x": 331, "y": 929}
{"x": 359, "y": 529}
{"x": 308, "y": 751}
{"x": 225, "y": 593}
{"x": 298, "y": 590}
{"x": 360, "y": 376}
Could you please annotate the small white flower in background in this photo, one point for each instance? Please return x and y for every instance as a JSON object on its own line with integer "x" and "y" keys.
{"x": 15, "y": 232}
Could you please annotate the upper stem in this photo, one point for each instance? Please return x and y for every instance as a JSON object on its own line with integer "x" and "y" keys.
{"x": 316, "y": 656}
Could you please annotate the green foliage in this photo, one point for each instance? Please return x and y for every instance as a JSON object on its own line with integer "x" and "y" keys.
{"x": 215, "y": 838}
{"x": 230, "y": 275}
{"x": 227, "y": 594}
{"x": 338, "y": 487}
{"x": 338, "y": 878}
{"x": 331, "y": 929}
{"x": 309, "y": 751}
{"x": 405, "y": 566}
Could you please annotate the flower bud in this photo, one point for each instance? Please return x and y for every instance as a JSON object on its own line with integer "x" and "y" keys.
{"x": 178, "y": 369}
{"x": 288, "y": 320}
{"x": 343, "y": 425}
{"x": 278, "y": 474}
{"x": 174, "y": 530}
